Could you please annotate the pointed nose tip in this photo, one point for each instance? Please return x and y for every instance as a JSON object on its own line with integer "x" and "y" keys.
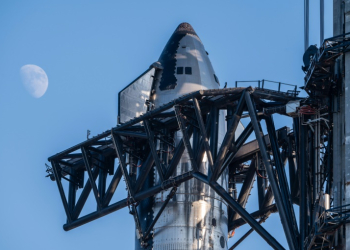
{"x": 185, "y": 28}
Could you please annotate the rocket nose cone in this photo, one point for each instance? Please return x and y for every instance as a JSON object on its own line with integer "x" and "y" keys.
{"x": 185, "y": 28}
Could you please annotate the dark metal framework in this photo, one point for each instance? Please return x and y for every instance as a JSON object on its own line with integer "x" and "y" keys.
{"x": 326, "y": 225}
{"x": 323, "y": 83}
{"x": 320, "y": 74}
{"x": 196, "y": 116}
{"x": 262, "y": 84}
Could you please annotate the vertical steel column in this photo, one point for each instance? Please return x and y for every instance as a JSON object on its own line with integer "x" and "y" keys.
{"x": 61, "y": 190}
{"x": 311, "y": 177}
{"x": 341, "y": 121}
{"x": 329, "y": 162}
{"x": 316, "y": 161}
{"x": 72, "y": 193}
{"x": 119, "y": 150}
{"x": 268, "y": 197}
{"x": 293, "y": 177}
{"x": 270, "y": 173}
{"x": 133, "y": 163}
{"x": 203, "y": 132}
{"x": 321, "y": 21}
{"x": 135, "y": 215}
{"x": 260, "y": 182}
{"x": 227, "y": 141}
{"x": 177, "y": 154}
{"x": 306, "y": 24}
{"x": 246, "y": 187}
{"x": 102, "y": 177}
{"x": 231, "y": 183}
{"x": 201, "y": 148}
{"x": 150, "y": 135}
{"x": 232, "y": 189}
{"x": 186, "y": 138}
{"x": 214, "y": 119}
{"x": 303, "y": 180}
{"x": 91, "y": 178}
{"x": 143, "y": 172}
{"x": 237, "y": 145}
{"x": 296, "y": 158}
{"x": 145, "y": 180}
{"x": 229, "y": 116}
{"x": 195, "y": 139}
{"x": 84, "y": 195}
{"x": 282, "y": 179}
{"x": 165, "y": 148}
{"x": 112, "y": 186}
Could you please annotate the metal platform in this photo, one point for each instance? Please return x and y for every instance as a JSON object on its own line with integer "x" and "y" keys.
{"x": 323, "y": 83}
{"x": 329, "y": 221}
{"x": 196, "y": 116}
{"x": 320, "y": 75}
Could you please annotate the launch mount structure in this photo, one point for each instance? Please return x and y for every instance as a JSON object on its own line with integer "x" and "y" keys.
{"x": 145, "y": 146}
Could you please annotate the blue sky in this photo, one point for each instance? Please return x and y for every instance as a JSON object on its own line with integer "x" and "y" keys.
{"x": 90, "y": 50}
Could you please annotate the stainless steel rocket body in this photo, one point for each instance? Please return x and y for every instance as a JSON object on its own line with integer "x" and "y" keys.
{"x": 196, "y": 217}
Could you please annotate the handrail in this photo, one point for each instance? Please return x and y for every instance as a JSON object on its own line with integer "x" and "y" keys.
{"x": 261, "y": 84}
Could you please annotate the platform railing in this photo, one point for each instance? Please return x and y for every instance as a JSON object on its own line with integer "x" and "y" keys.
{"x": 262, "y": 85}
{"x": 327, "y": 224}
{"x": 331, "y": 48}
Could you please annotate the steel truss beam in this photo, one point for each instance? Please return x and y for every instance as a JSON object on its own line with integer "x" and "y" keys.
{"x": 240, "y": 240}
{"x": 203, "y": 133}
{"x": 282, "y": 180}
{"x": 124, "y": 203}
{"x": 112, "y": 186}
{"x": 290, "y": 234}
{"x": 240, "y": 210}
{"x": 153, "y": 150}
{"x": 61, "y": 191}
{"x": 195, "y": 115}
{"x": 227, "y": 141}
{"x": 185, "y": 137}
{"x": 246, "y": 187}
{"x": 84, "y": 194}
{"x": 91, "y": 178}
{"x": 119, "y": 150}
{"x": 165, "y": 203}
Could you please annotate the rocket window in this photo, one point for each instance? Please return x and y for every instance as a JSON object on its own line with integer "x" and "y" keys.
{"x": 180, "y": 70}
{"x": 188, "y": 70}
{"x": 213, "y": 222}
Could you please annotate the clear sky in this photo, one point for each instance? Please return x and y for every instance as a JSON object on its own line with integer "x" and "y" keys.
{"x": 90, "y": 50}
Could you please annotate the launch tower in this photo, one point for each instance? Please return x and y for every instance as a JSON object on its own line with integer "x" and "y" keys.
{"x": 189, "y": 164}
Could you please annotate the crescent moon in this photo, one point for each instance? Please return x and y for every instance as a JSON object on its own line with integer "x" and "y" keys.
{"x": 34, "y": 80}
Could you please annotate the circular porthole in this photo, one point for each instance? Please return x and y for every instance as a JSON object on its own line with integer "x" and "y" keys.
{"x": 222, "y": 241}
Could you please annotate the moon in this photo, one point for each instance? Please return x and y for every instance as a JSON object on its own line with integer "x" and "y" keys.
{"x": 34, "y": 80}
